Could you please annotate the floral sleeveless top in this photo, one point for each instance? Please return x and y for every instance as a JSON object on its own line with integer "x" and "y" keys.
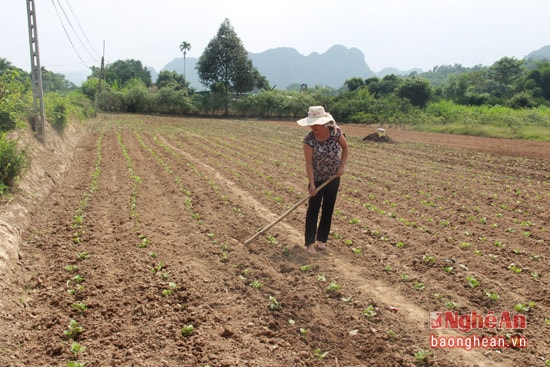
{"x": 326, "y": 158}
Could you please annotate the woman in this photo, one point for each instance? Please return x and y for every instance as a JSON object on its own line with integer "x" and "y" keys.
{"x": 326, "y": 153}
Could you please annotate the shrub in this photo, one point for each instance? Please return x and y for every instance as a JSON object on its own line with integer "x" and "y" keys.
{"x": 56, "y": 110}
{"x": 7, "y": 121}
{"x": 12, "y": 162}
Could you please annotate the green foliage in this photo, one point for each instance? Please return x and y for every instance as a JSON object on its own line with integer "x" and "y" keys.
{"x": 12, "y": 162}
{"x": 121, "y": 72}
{"x": 417, "y": 90}
{"x": 224, "y": 65}
{"x": 55, "y": 107}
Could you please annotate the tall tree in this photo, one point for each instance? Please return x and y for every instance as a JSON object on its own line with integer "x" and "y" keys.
{"x": 184, "y": 47}
{"x": 503, "y": 74}
{"x": 224, "y": 65}
{"x": 122, "y": 71}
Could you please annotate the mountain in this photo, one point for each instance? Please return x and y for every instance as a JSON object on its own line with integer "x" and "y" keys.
{"x": 284, "y": 66}
{"x": 540, "y": 54}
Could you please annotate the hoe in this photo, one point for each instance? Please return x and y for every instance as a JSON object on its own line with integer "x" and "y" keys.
{"x": 288, "y": 211}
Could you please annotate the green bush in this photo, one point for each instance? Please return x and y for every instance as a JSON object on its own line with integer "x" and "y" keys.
{"x": 12, "y": 162}
{"x": 55, "y": 107}
{"x": 7, "y": 121}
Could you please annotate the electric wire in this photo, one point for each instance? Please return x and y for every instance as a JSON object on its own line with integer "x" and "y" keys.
{"x": 82, "y": 30}
{"x": 67, "y": 33}
{"x": 74, "y": 30}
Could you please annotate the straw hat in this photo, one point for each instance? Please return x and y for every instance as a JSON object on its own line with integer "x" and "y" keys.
{"x": 316, "y": 115}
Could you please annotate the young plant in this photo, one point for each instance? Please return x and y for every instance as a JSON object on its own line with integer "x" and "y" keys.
{"x": 473, "y": 282}
{"x": 77, "y": 348}
{"x": 273, "y": 304}
{"x": 369, "y": 312}
{"x": 333, "y": 287}
{"x": 73, "y": 331}
{"x": 317, "y": 352}
{"x": 187, "y": 330}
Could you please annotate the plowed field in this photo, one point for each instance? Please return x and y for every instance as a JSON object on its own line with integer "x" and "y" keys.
{"x": 140, "y": 236}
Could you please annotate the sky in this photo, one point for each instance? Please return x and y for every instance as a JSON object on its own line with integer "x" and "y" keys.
{"x": 405, "y": 34}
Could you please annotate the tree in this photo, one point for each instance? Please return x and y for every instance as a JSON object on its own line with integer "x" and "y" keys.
{"x": 172, "y": 79}
{"x": 122, "y": 71}
{"x": 417, "y": 90}
{"x": 503, "y": 74}
{"x": 384, "y": 87}
{"x": 224, "y": 65}
{"x": 354, "y": 83}
{"x": 184, "y": 47}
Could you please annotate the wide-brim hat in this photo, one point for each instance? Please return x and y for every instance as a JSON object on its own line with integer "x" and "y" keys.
{"x": 316, "y": 115}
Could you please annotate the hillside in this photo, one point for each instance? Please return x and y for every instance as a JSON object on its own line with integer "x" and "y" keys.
{"x": 284, "y": 66}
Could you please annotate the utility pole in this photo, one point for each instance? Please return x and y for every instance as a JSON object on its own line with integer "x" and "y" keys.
{"x": 38, "y": 123}
{"x": 101, "y": 70}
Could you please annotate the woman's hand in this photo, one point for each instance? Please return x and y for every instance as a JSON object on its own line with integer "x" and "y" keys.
{"x": 312, "y": 190}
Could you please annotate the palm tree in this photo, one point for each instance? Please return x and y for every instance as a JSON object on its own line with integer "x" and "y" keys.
{"x": 184, "y": 47}
{"x": 4, "y": 64}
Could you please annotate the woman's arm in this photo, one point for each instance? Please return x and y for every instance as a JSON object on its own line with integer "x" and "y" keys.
{"x": 345, "y": 153}
{"x": 308, "y": 155}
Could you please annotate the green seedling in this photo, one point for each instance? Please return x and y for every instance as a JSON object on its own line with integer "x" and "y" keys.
{"x": 473, "y": 282}
{"x": 430, "y": 260}
{"x": 452, "y": 305}
{"x": 304, "y": 331}
{"x": 71, "y": 268}
{"x": 273, "y": 304}
{"x": 80, "y": 306}
{"x": 419, "y": 286}
{"x": 74, "y": 330}
{"x": 333, "y": 287}
{"x": 76, "y": 290}
{"x": 78, "y": 279}
{"x": 448, "y": 269}
{"x": 422, "y": 355}
{"x": 75, "y": 364}
{"x": 256, "y": 284}
{"x": 247, "y": 272}
{"x": 317, "y": 352}
{"x": 513, "y": 267}
{"x": 83, "y": 256}
{"x": 187, "y": 330}
{"x": 144, "y": 243}
{"x": 356, "y": 250}
{"x": 369, "y": 312}
{"x": 305, "y": 268}
{"x": 272, "y": 240}
{"x": 400, "y": 244}
{"x": 77, "y": 348}
{"x": 171, "y": 288}
{"x": 157, "y": 268}
{"x": 492, "y": 295}
{"x": 321, "y": 278}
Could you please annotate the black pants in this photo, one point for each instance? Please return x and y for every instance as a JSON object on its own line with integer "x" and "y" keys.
{"x": 325, "y": 200}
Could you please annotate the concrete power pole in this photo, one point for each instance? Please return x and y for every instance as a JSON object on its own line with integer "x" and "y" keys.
{"x": 38, "y": 126}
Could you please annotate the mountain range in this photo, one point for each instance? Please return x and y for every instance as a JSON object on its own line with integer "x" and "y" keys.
{"x": 285, "y": 66}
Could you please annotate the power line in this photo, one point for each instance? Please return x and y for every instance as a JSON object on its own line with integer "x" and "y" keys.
{"x": 75, "y": 32}
{"x": 82, "y": 30}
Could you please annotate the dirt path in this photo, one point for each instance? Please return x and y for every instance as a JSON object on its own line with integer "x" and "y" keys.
{"x": 140, "y": 234}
